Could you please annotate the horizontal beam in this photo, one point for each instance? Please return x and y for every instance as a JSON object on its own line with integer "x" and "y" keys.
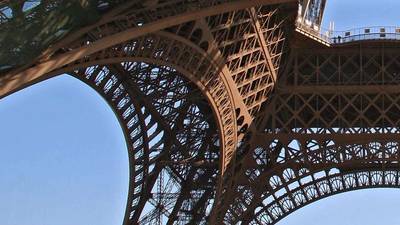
{"x": 340, "y": 89}
{"x": 337, "y": 137}
{"x": 15, "y": 81}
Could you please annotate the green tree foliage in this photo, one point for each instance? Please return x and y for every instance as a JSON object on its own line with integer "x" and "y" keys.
{"x": 29, "y": 27}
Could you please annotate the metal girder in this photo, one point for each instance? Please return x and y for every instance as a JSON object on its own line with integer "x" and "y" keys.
{"x": 237, "y": 39}
{"x": 225, "y": 72}
{"x": 330, "y": 127}
{"x": 263, "y": 43}
{"x": 14, "y": 81}
{"x": 346, "y": 89}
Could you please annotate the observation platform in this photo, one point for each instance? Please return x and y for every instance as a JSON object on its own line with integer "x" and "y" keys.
{"x": 329, "y": 38}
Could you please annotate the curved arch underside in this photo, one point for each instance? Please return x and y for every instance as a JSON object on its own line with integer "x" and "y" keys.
{"x": 172, "y": 136}
{"x": 227, "y": 118}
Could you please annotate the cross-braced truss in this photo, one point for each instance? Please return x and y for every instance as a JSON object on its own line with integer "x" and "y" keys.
{"x": 332, "y": 122}
{"x": 230, "y": 117}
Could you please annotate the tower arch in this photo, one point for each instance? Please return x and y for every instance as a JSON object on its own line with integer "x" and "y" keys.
{"x": 169, "y": 139}
{"x": 109, "y": 75}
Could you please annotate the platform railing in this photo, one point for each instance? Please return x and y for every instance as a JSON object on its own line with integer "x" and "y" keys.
{"x": 353, "y": 35}
{"x": 366, "y": 33}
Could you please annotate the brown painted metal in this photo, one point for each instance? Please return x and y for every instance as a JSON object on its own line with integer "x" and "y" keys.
{"x": 230, "y": 117}
{"x": 175, "y": 13}
{"x": 334, "y": 109}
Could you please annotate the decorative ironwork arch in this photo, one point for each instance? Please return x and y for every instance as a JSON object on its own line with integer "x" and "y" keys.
{"x": 318, "y": 189}
{"x": 291, "y": 174}
{"x": 145, "y": 125}
{"x": 333, "y": 108}
{"x": 187, "y": 59}
{"x": 194, "y": 63}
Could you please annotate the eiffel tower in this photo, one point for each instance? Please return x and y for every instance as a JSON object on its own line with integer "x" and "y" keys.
{"x": 233, "y": 111}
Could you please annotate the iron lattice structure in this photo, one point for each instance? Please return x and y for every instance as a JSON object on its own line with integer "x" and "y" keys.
{"x": 231, "y": 113}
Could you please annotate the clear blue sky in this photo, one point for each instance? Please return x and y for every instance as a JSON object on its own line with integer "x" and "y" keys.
{"x": 63, "y": 157}
{"x": 64, "y": 162}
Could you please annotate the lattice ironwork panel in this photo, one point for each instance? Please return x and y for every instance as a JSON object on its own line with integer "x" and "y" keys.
{"x": 252, "y": 41}
{"x": 285, "y": 173}
{"x": 353, "y": 90}
{"x": 330, "y": 127}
